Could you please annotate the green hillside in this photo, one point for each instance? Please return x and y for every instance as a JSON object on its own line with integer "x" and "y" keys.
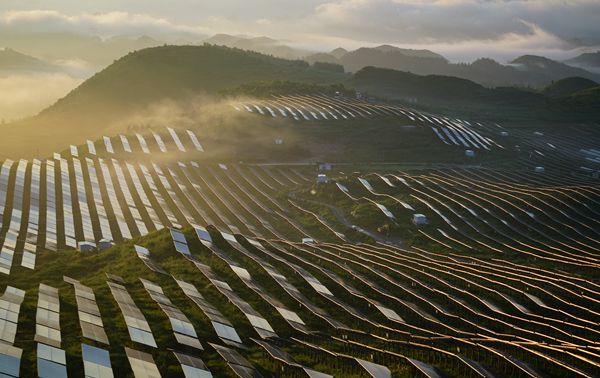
{"x": 175, "y": 72}
{"x": 441, "y": 91}
{"x": 568, "y": 86}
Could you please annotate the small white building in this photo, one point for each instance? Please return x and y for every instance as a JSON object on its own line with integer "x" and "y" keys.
{"x": 322, "y": 179}
{"x": 419, "y": 219}
{"x": 278, "y": 141}
{"x": 86, "y": 246}
{"x": 539, "y": 169}
{"x": 308, "y": 241}
{"x": 469, "y": 153}
{"x": 104, "y": 244}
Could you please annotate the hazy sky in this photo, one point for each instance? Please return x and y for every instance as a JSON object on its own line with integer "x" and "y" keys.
{"x": 459, "y": 29}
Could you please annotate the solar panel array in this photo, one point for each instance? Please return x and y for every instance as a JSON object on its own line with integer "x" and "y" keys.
{"x": 367, "y": 307}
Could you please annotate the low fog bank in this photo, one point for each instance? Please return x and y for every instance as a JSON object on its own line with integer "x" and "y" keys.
{"x": 26, "y": 94}
{"x": 226, "y": 134}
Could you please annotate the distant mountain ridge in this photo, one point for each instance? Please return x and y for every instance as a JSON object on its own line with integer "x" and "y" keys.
{"x": 70, "y": 46}
{"x": 527, "y": 71}
{"x": 151, "y": 75}
{"x": 14, "y": 61}
{"x": 589, "y": 61}
{"x": 263, "y": 45}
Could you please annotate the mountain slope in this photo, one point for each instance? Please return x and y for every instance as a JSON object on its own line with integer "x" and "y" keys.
{"x": 175, "y": 72}
{"x": 437, "y": 88}
{"x": 586, "y": 60}
{"x": 527, "y": 71}
{"x": 160, "y": 83}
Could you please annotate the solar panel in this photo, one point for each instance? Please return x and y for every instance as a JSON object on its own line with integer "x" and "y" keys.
{"x": 138, "y": 327}
{"x": 125, "y": 143}
{"x": 174, "y": 197}
{"x": 112, "y": 195}
{"x": 86, "y": 218}
{"x": 176, "y": 139}
{"x": 181, "y": 325}
{"x": 98, "y": 201}
{"x": 7, "y": 251}
{"x": 68, "y": 217}
{"x": 108, "y": 145}
{"x": 375, "y": 370}
{"x": 135, "y": 213}
{"x": 10, "y": 360}
{"x": 203, "y": 234}
{"x": 47, "y": 316}
{"x": 144, "y": 255}
{"x": 96, "y": 362}
{"x": 91, "y": 147}
{"x": 221, "y": 325}
{"x": 142, "y": 364}
{"x": 10, "y": 306}
{"x": 30, "y": 247}
{"x": 180, "y": 242}
{"x": 192, "y": 367}
{"x": 236, "y": 361}
{"x": 178, "y": 236}
{"x": 89, "y": 314}
{"x": 51, "y": 236}
{"x": 159, "y": 141}
{"x": 51, "y": 362}
{"x": 143, "y": 144}
{"x": 161, "y": 201}
{"x": 143, "y": 197}
{"x": 195, "y": 140}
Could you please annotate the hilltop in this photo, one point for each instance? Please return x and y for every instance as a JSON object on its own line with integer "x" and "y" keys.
{"x": 568, "y": 86}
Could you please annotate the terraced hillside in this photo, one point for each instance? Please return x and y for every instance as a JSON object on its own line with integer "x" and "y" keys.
{"x": 149, "y": 254}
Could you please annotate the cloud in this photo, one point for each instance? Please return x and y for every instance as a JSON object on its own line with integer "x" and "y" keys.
{"x": 102, "y": 24}
{"x": 494, "y": 26}
{"x": 574, "y": 22}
